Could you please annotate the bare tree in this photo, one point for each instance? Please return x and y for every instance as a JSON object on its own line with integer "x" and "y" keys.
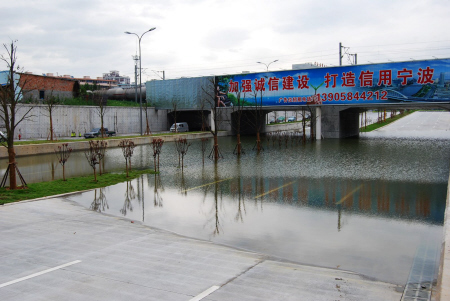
{"x": 63, "y": 154}
{"x": 182, "y": 147}
{"x": 146, "y": 105}
{"x": 50, "y": 103}
{"x": 258, "y": 113}
{"x": 157, "y": 146}
{"x": 127, "y": 150}
{"x": 101, "y": 110}
{"x": 101, "y": 151}
{"x": 238, "y": 109}
{"x": 92, "y": 156}
{"x": 211, "y": 97}
{"x": 10, "y": 95}
{"x": 175, "y": 112}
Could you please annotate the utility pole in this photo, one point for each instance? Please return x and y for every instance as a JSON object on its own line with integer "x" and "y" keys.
{"x": 135, "y": 58}
{"x": 349, "y": 55}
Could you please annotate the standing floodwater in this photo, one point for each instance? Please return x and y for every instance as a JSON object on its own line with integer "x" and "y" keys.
{"x": 359, "y": 205}
{"x": 373, "y": 206}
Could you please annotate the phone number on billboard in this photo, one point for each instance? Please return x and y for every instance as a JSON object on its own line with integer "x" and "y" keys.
{"x": 349, "y": 96}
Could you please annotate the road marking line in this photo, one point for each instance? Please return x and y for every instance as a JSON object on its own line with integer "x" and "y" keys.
{"x": 210, "y": 290}
{"x": 206, "y": 184}
{"x": 270, "y": 191}
{"x": 349, "y": 194}
{"x": 39, "y": 273}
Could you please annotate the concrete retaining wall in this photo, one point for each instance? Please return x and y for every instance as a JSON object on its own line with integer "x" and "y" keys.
{"x": 80, "y": 119}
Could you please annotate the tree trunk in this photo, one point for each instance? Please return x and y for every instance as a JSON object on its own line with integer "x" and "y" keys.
{"x": 95, "y": 174}
{"x": 216, "y": 148}
{"x": 51, "y": 127}
{"x": 258, "y": 142}
{"x": 238, "y": 144}
{"x": 147, "y": 129}
{"x": 12, "y": 168}
{"x": 64, "y": 174}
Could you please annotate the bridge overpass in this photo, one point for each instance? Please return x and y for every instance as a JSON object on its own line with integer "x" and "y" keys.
{"x": 334, "y": 95}
{"x": 340, "y": 121}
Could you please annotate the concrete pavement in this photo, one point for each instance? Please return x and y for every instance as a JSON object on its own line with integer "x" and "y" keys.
{"x": 110, "y": 258}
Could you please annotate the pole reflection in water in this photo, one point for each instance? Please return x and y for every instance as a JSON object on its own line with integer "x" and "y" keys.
{"x": 365, "y": 206}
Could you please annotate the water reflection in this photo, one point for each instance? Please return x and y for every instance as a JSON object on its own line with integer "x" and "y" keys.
{"x": 157, "y": 191}
{"x": 365, "y": 205}
{"x": 130, "y": 195}
{"x": 100, "y": 203}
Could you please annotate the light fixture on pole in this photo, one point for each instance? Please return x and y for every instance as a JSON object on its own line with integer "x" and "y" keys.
{"x": 267, "y": 65}
{"x": 140, "y": 72}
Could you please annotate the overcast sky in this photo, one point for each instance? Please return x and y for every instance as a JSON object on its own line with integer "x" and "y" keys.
{"x": 195, "y": 37}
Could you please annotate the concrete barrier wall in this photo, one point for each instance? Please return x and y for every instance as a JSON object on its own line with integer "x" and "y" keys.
{"x": 80, "y": 119}
{"x": 294, "y": 126}
{"x": 46, "y": 148}
{"x": 443, "y": 285}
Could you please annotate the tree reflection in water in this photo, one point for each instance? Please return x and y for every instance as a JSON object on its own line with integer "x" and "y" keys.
{"x": 241, "y": 203}
{"x": 158, "y": 188}
{"x": 215, "y": 209}
{"x": 99, "y": 204}
{"x": 130, "y": 195}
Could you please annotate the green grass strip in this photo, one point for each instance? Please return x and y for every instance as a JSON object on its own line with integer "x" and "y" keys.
{"x": 374, "y": 126}
{"x": 44, "y": 189}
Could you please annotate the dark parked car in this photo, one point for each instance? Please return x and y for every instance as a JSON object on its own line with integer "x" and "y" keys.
{"x": 96, "y": 132}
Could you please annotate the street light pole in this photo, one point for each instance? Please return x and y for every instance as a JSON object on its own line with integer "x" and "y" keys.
{"x": 267, "y": 65}
{"x": 140, "y": 73}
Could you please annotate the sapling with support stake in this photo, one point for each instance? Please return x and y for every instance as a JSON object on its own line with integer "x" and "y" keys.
{"x": 63, "y": 154}
{"x": 127, "y": 150}
{"x": 182, "y": 147}
{"x": 157, "y": 145}
{"x": 92, "y": 156}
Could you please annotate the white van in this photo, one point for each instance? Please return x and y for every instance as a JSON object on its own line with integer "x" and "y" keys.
{"x": 181, "y": 127}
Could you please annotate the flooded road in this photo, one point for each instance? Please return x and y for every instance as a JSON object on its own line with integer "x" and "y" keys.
{"x": 373, "y": 206}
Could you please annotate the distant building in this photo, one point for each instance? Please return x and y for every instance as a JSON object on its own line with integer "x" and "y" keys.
{"x": 114, "y": 75}
{"x": 304, "y": 66}
{"x": 39, "y": 87}
{"x": 99, "y": 81}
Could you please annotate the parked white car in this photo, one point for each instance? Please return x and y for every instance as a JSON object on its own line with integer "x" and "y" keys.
{"x": 181, "y": 127}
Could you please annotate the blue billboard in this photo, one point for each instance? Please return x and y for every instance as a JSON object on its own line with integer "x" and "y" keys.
{"x": 413, "y": 81}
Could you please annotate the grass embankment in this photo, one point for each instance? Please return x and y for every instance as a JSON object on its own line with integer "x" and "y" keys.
{"x": 43, "y": 189}
{"x": 377, "y": 125}
{"x": 16, "y": 142}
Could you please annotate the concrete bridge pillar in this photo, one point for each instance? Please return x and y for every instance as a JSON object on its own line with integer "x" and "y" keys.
{"x": 318, "y": 123}
{"x": 339, "y": 122}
